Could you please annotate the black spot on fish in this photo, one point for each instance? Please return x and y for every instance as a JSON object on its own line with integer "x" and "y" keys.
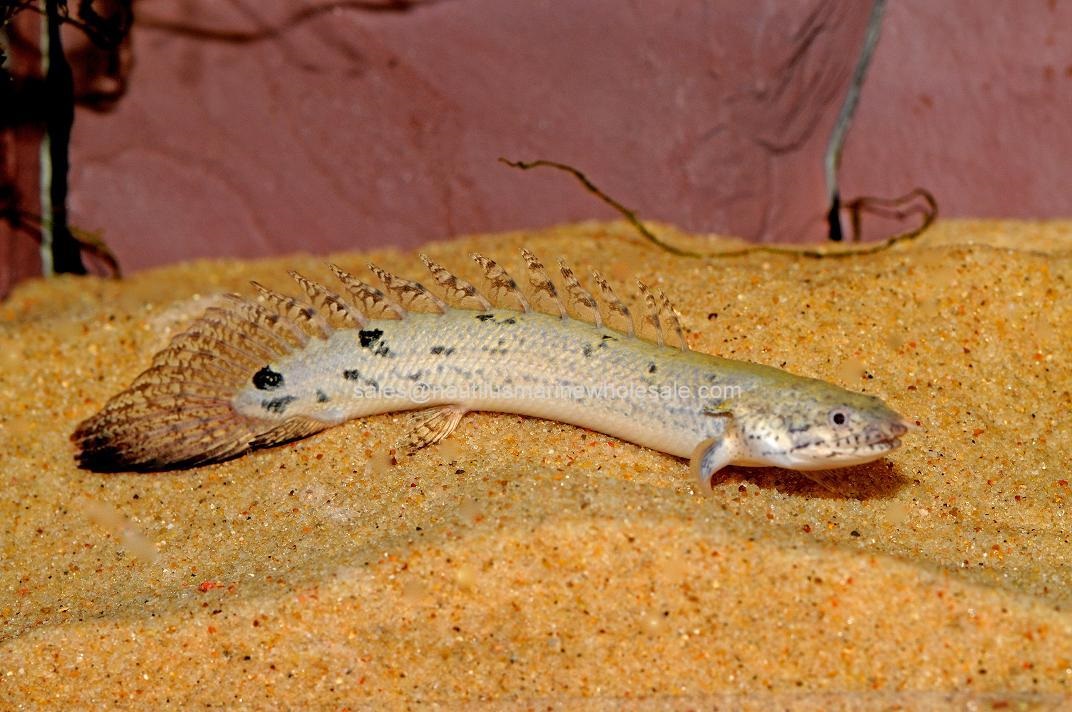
{"x": 442, "y": 350}
{"x": 369, "y": 337}
{"x": 484, "y": 317}
{"x": 415, "y": 376}
{"x": 651, "y": 367}
{"x": 352, "y": 374}
{"x": 277, "y": 405}
{"x": 587, "y": 351}
{"x": 511, "y": 320}
{"x": 322, "y": 397}
{"x": 382, "y": 350}
{"x": 266, "y": 379}
{"x": 496, "y": 350}
{"x": 608, "y": 337}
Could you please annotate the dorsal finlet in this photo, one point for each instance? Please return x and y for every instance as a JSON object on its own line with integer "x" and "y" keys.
{"x": 329, "y": 304}
{"x": 578, "y": 295}
{"x": 671, "y": 314}
{"x": 613, "y": 303}
{"x": 540, "y": 282}
{"x": 226, "y": 323}
{"x": 305, "y": 316}
{"x": 409, "y": 293}
{"x": 652, "y": 311}
{"x": 212, "y": 335}
{"x": 454, "y": 286}
{"x": 268, "y": 319}
{"x": 500, "y": 280}
{"x": 370, "y": 300}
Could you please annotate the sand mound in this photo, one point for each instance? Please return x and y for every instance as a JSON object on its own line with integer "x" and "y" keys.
{"x": 525, "y": 560}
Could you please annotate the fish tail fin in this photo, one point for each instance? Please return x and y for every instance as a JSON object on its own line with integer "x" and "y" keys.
{"x": 180, "y": 413}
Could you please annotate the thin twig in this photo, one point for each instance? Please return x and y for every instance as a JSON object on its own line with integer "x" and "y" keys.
{"x": 591, "y": 188}
{"x": 855, "y": 207}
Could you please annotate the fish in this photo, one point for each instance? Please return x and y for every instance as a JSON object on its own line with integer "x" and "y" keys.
{"x": 255, "y": 372}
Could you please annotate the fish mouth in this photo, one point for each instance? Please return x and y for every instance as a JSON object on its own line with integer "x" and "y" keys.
{"x": 873, "y": 445}
{"x": 887, "y": 444}
{"x": 873, "y": 448}
{"x": 890, "y": 435}
{"x": 886, "y": 436}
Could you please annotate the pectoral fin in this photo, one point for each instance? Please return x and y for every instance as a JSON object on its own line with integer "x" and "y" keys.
{"x": 432, "y": 425}
{"x": 710, "y": 456}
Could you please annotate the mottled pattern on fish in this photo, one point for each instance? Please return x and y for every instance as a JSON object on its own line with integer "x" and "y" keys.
{"x": 255, "y": 373}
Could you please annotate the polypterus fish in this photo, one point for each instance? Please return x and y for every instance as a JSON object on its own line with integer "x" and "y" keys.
{"x": 256, "y": 373}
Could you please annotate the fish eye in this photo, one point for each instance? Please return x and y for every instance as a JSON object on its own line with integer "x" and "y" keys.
{"x": 839, "y": 416}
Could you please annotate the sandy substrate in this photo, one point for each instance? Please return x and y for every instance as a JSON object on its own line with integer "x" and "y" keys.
{"x": 525, "y": 561}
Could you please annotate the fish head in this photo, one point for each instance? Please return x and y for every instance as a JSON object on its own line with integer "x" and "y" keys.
{"x": 813, "y": 425}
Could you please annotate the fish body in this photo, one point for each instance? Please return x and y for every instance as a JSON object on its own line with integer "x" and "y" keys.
{"x": 256, "y": 373}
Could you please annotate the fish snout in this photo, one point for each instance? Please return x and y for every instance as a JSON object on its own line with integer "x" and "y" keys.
{"x": 886, "y": 432}
{"x": 898, "y": 429}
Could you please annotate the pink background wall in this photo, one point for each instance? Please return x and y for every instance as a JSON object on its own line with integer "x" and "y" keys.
{"x": 246, "y": 132}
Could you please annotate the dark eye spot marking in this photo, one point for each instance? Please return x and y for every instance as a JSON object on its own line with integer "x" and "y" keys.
{"x": 277, "y": 405}
{"x": 484, "y": 317}
{"x": 838, "y": 417}
{"x": 322, "y": 397}
{"x": 369, "y": 337}
{"x": 651, "y": 367}
{"x": 266, "y": 379}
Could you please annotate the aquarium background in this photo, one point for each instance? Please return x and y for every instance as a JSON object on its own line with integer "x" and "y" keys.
{"x": 244, "y": 129}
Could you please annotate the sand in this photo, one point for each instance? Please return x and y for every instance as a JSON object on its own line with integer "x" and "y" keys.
{"x": 529, "y": 564}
